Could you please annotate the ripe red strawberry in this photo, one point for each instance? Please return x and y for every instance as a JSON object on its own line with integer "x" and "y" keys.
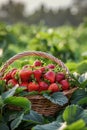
{"x": 12, "y": 82}
{"x": 37, "y": 63}
{"x": 60, "y": 76}
{"x": 53, "y": 87}
{"x": 25, "y": 74}
{"x": 51, "y": 66}
{"x": 25, "y": 84}
{"x": 33, "y": 87}
{"x": 64, "y": 84}
{"x": 8, "y": 75}
{"x": 43, "y": 86}
{"x": 37, "y": 74}
{"x": 50, "y": 75}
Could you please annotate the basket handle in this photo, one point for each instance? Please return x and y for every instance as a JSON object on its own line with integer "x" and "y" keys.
{"x": 32, "y": 53}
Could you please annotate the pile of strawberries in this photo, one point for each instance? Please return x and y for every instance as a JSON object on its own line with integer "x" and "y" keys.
{"x": 38, "y": 77}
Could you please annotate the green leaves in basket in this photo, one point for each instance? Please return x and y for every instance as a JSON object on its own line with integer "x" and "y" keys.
{"x": 25, "y": 93}
{"x": 19, "y": 102}
{"x": 57, "y": 98}
{"x": 51, "y": 126}
{"x": 33, "y": 117}
{"x": 73, "y": 113}
{"x": 20, "y": 89}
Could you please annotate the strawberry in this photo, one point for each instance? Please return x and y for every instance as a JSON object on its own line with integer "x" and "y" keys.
{"x": 43, "y": 86}
{"x": 25, "y": 84}
{"x": 51, "y": 66}
{"x": 60, "y": 76}
{"x": 8, "y": 75}
{"x": 64, "y": 84}
{"x": 53, "y": 87}
{"x": 50, "y": 75}
{"x": 12, "y": 82}
{"x": 37, "y": 63}
{"x": 32, "y": 86}
{"x": 37, "y": 74}
{"x": 25, "y": 74}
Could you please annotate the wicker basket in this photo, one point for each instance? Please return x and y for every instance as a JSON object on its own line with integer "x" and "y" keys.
{"x": 39, "y": 103}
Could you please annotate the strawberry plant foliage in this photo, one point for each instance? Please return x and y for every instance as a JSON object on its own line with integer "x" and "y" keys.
{"x": 57, "y": 98}
{"x": 33, "y": 117}
{"x": 9, "y": 93}
{"x": 17, "y": 121}
{"x": 80, "y": 125}
{"x": 73, "y": 113}
{"x": 8, "y": 98}
{"x": 3, "y": 126}
{"x": 78, "y": 95}
{"x": 19, "y": 102}
{"x": 50, "y": 126}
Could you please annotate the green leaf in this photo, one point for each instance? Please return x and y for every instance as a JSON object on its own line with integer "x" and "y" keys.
{"x": 78, "y": 125}
{"x": 82, "y": 101}
{"x": 33, "y": 117}
{"x": 1, "y": 102}
{"x": 60, "y": 118}
{"x": 78, "y": 95}
{"x": 20, "y": 89}
{"x": 24, "y": 93}
{"x": 83, "y": 78}
{"x": 19, "y": 102}
{"x": 3, "y": 126}
{"x": 83, "y": 115}
{"x": 9, "y": 93}
{"x": 15, "y": 123}
{"x": 72, "y": 66}
{"x": 10, "y": 115}
{"x": 73, "y": 113}
{"x": 57, "y": 98}
{"x": 51, "y": 126}
{"x": 82, "y": 67}
{"x": 2, "y": 86}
